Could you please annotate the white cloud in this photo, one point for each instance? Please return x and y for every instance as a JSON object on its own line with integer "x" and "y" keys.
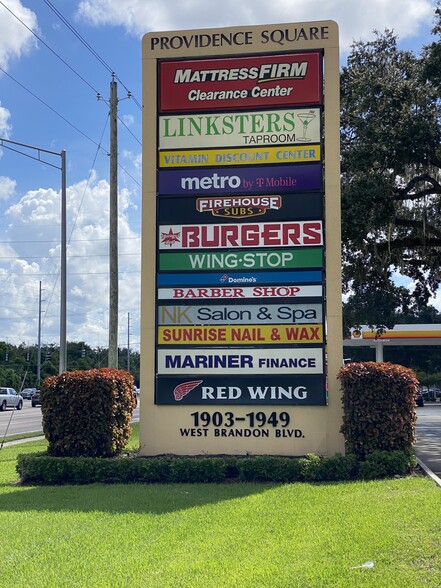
{"x": 128, "y": 119}
{"x": 356, "y": 20}
{"x": 7, "y": 187}
{"x": 15, "y": 39}
{"x": 33, "y": 255}
{"x": 5, "y": 127}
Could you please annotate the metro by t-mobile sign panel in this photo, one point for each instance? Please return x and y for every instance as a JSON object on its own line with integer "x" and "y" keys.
{"x": 237, "y": 115}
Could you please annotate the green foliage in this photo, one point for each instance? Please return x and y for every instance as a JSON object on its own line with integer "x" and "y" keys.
{"x": 332, "y": 469}
{"x": 44, "y": 469}
{"x": 87, "y": 413}
{"x": 385, "y": 464}
{"x": 378, "y": 406}
{"x": 391, "y": 160}
{"x": 18, "y": 363}
{"x": 10, "y": 379}
{"x": 266, "y": 468}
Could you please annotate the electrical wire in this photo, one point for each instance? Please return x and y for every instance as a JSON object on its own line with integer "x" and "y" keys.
{"x": 130, "y": 95}
{"x": 98, "y": 145}
{"x": 50, "y": 48}
{"x": 91, "y": 49}
{"x": 50, "y": 107}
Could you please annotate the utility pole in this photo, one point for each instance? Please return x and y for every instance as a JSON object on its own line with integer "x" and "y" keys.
{"x": 63, "y": 266}
{"x": 39, "y": 338}
{"x": 63, "y": 272}
{"x": 128, "y": 341}
{"x": 113, "y": 228}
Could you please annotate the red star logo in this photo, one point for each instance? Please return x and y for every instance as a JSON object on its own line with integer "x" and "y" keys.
{"x": 170, "y": 238}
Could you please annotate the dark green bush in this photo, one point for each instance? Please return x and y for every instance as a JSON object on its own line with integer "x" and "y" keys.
{"x": 378, "y": 407}
{"x": 384, "y": 464}
{"x": 43, "y": 469}
{"x": 329, "y": 469}
{"x": 87, "y": 413}
{"x": 265, "y": 468}
{"x": 197, "y": 470}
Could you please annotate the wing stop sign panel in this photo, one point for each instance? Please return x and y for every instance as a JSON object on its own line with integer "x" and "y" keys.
{"x": 241, "y": 285}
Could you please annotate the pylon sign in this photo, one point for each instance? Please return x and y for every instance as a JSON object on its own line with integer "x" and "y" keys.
{"x": 241, "y": 202}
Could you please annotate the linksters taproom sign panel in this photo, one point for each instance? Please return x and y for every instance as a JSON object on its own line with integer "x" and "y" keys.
{"x": 241, "y": 288}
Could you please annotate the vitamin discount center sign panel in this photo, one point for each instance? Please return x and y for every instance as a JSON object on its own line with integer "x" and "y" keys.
{"x": 236, "y": 125}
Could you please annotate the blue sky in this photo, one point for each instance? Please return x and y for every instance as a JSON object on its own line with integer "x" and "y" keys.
{"x": 48, "y": 98}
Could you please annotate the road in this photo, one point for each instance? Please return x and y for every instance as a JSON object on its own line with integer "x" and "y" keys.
{"x": 28, "y": 420}
{"x": 428, "y": 430}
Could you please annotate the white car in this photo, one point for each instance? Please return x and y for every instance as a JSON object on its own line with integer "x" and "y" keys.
{"x": 10, "y": 399}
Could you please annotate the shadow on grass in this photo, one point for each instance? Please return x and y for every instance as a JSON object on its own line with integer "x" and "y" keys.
{"x": 124, "y": 498}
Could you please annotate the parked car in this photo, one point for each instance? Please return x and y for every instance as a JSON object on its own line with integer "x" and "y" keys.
{"x": 10, "y": 399}
{"x": 419, "y": 399}
{"x": 35, "y": 398}
{"x": 27, "y": 393}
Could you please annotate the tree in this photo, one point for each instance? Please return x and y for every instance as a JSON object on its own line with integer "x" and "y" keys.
{"x": 391, "y": 180}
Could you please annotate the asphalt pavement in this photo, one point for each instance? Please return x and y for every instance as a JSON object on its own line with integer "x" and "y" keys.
{"x": 428, "y": 432}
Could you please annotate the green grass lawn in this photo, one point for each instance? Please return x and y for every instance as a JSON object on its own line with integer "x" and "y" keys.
{"x": 226, "y": 535}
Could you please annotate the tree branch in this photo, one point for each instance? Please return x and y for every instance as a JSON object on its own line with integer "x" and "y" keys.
{"x": 408, "y": 242}
{"x": 414, "y": 224}
{"x": 404, "y": 193}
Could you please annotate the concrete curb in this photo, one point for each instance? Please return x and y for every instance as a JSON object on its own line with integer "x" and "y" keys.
{"x": 25, "y": 440}
{"x": 429, "y": 472}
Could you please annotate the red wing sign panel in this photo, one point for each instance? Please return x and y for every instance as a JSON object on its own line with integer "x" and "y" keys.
{"x": 247, "y": 82}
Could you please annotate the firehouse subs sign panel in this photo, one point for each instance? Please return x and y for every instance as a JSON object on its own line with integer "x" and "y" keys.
{"x": 241, "y": 286}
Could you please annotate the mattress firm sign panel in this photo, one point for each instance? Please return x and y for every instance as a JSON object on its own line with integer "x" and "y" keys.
{"x": 236, "y": 177}
{"x": 268, "y": 80}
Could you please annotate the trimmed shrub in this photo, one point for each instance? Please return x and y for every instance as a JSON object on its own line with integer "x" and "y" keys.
{"x": 87, "y": 413}
{"x": 43, "y": 469}
{"x": 265, "y": 468}
{"x": 329, "y": 469}
{"x": 379, "y": 407}
{"x": 384, "y": 464}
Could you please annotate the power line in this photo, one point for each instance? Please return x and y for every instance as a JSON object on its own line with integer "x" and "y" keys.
{"x": 130, "y": 95}
{"x": 77, "y": 35}
{"x": 98, "y": 145}
{"x": 91, "y": 49}
{"x": 50, "y": 48}
{"x": 88, "y": 179}
{"x": 2, "y": 257}
{"x": 50, "y": 108}
{"x": 70, "y": 240}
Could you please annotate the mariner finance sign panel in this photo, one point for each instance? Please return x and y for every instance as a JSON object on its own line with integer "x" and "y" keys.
{"x": 241, "y": 283}
{"x": 236, "y": 361}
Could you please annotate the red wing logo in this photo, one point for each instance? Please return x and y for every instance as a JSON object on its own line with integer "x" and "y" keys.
{"x": 170, "y": 238}
{"x": 183, "y": 389}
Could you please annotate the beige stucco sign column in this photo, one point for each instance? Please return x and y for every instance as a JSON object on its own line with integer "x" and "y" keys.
{"x": 241, "y": 326}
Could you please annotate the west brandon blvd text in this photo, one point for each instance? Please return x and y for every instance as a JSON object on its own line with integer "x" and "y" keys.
{"x": 221, "y": 432}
